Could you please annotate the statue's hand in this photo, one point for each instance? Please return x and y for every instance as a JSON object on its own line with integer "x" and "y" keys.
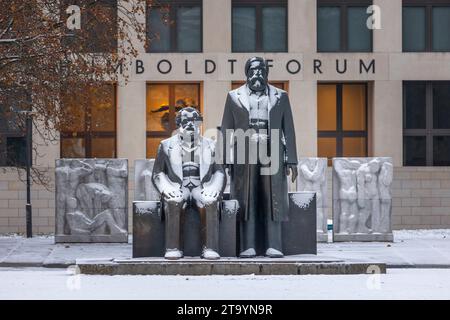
{"x": 173, "y": 194}
{"x": 227, "y": 167}
{"x": 293, "y": 171}
{"x": 209, "y": 195}
{"x": 207, "y": 192}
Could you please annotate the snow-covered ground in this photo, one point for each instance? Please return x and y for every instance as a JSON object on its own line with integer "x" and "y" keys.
{"x": 398, "y": 234}
{"x": 61, "y": 284}
{"x": 436, "y": 234}
{"x": 429, "y": 248}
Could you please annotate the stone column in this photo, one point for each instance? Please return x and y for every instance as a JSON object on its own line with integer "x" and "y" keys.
{"x": 131, "y": 121}
{"x": 387, "y": 121}
{"x": 216, "y": 26}
{"x": 302, "y": 26}
{"x": 389, "y": 37}
{"x": 303, "y": 98}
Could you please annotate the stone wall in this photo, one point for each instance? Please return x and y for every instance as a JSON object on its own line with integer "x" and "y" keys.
{"x": 421, "y": 200}
{"x": 13, "y": 199}
{"x": 420, "y": 197}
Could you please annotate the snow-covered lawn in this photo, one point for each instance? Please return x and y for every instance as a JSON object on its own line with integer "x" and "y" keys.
{"x": 60, "y": 284}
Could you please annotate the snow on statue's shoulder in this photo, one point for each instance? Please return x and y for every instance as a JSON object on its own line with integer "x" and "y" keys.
{"x": 302, "y": 199}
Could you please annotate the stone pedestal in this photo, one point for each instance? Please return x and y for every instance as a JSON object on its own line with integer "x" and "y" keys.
{"x": 299, "y": 233}
{"x": 149, "y": 230}
{"x": 294, "y": 265}
{"x": 91, "y": 200}
{"x": 362, "y": 201}
{"x": 313, "y": 177}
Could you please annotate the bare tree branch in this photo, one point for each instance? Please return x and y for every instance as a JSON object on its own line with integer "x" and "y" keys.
{"x": 57, "y": 66}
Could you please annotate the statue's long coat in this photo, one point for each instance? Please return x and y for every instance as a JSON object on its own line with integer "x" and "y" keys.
{"x": 236, "y": 116}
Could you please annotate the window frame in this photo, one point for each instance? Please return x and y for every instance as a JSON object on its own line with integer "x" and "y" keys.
{"x": 343, "y": 6}
{"x": 428, "y": 5}
{"x": 87, "y": 47}
{"x": 174, "y": 5}
{"x": 259, "y": 5}
{"x": 6, "y": 133}
{"x": 172, "y": 112}
{"x": 4, "y": 155}
{"x": 88, "y": 135}
{"x": 339, "y": 134}
{"x": 429, "y": 132}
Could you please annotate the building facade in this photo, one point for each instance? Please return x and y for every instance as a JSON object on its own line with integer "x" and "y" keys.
{"x": 354, "y": 90}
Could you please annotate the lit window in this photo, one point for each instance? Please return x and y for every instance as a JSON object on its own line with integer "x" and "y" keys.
{"x": 90, "y": 127}
{"x": 164, "y": 100}
{"x": 342, "y": 120}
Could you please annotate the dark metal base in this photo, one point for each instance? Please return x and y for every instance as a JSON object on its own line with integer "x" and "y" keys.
{"x": 149, "y": 231}
{"x": 300, "y": 233}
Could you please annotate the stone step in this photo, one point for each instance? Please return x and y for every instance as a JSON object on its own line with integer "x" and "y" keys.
{"x": 257, "y": 266}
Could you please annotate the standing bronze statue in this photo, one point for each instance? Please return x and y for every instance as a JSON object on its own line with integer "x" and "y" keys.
{"x": 262, "y": 113}
{"x": 186, "y": 175}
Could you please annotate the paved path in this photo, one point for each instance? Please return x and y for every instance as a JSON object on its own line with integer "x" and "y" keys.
{"x": 411, "y": 249}
{"x": 44, "y": 283}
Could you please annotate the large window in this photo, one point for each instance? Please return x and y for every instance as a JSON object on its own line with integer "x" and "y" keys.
{"x": 342, "y": 26}
{"x": 174, "y": 26}
{"x": 426, "y": 25}
{"x": 259, "y": 26}
{"x": 90, "y": 131}
{"x": 164, "y": 100}
{"x": 12, "y": 131}
{"x": 98, "y": 32}
{"x": 426, "y": 123}
{"x": 342, "y": 120}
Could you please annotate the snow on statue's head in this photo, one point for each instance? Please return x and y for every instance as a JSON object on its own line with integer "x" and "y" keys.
{"x": 257, "y": 73}
{"x": 188, "y": 121}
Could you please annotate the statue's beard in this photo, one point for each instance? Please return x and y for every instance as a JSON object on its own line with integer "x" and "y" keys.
{"x": 189, "y": 135}
{"x": 257, "y": 83}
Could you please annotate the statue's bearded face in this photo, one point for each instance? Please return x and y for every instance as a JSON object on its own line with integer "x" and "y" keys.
{"x": 257, "y": 76}
{"x": 190, "y": 122}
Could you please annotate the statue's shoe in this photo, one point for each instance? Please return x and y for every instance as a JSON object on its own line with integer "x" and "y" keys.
{"x": 210, "y": 254}
{"x": 249, "y": 253}
{"x": 274, "y": 253}
{"x": 173, "y": 254}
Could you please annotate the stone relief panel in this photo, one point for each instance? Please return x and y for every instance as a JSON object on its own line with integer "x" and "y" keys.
{"x": 312, "y": 176}
{"x": 362, "y": 199}
{"x": 144, "y": 190}
{"x": 91, "y": 200}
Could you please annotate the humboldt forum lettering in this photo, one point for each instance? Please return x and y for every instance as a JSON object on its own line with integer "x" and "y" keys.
{"x": 292, "y": 66}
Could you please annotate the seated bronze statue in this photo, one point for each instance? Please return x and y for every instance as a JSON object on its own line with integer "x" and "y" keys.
{"x": 186, "y": 175}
